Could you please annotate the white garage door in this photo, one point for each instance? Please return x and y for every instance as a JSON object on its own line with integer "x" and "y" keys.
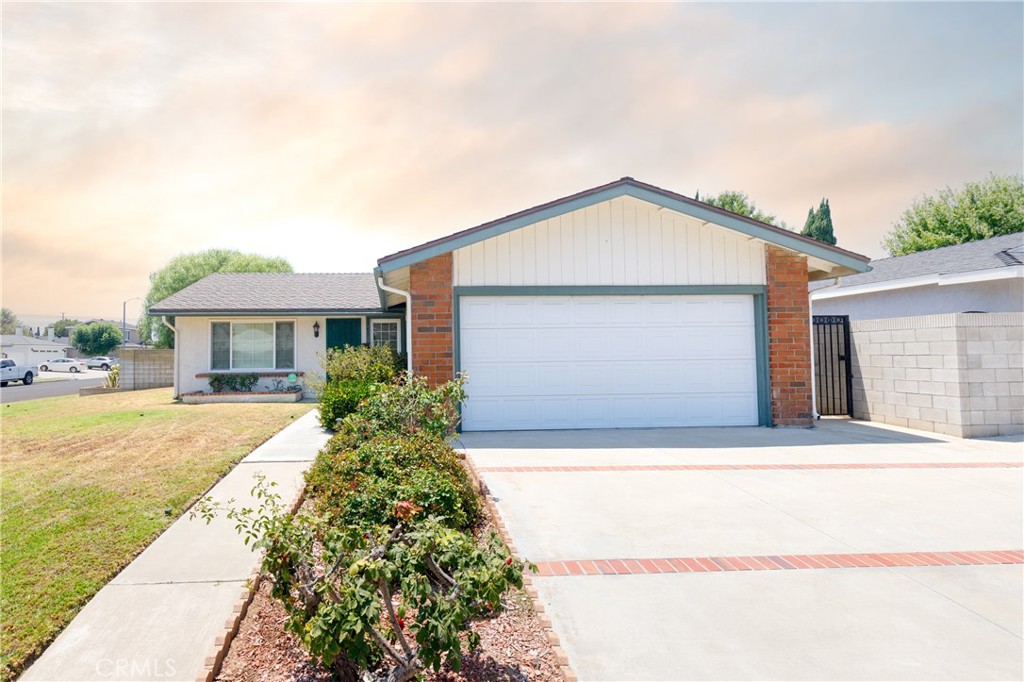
{"x": 581, "y": 362}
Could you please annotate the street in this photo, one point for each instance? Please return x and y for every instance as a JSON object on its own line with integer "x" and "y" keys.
{"x": 51, "y": 384}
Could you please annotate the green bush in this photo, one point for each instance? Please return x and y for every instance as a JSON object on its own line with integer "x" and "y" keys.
{"x": 408, "y": 408}
{"x": 366, "y": 364}
{"x": 235, "y": 383}
{"x": 339, "y": 399}
{"x": 364, "y": 485}
{"x": 351, "y": 374}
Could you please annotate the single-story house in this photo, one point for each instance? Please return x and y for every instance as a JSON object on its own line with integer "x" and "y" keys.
{"x": 981, "y": 276}
{"x": 28, "y": 350}
{"x": 625, "y": 305}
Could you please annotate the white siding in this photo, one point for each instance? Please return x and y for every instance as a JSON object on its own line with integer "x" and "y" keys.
{"x": 625, "y": 241}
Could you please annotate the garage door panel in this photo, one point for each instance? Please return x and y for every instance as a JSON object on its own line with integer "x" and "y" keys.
{"x": 600, "y": 361}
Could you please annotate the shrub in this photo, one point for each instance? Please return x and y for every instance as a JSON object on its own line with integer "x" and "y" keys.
{"x": 236, "y": 383}
{"x": 362, "y": 486}
{"x": 113, "y": 377}
{"x": 351, "y": 374}
{"x": 407, "y": 408}
{"x": 393, "y": 601}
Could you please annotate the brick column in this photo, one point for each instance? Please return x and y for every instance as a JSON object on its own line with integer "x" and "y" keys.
{"x": 789, "y": 338}
{"x": 433, "y": 339}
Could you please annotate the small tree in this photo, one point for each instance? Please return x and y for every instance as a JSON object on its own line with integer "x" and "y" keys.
{"x": 819, "y": 224}
{"x": 61, "y": 328}
{"x": 738, "y": 202}
{"x": 978, "y": 210}
{"x": 97, "y": 338}
{"x": 8, "y": 321}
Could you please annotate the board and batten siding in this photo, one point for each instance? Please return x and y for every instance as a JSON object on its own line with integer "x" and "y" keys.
{"x": 624, "y": 242}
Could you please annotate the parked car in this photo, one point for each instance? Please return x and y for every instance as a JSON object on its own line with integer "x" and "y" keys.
{"x": 63, "y": 365}
{"x": 11, "y": 371}
{"x": 103, "y": 362}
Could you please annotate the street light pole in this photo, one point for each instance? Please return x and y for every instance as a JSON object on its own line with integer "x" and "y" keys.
{"x": 124, "y": 319}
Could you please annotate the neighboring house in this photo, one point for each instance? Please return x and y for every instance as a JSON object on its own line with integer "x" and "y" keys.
{"x": 981, "y": 276}
{"x": 625, "y": 305}
{"x": 28, "y": 350}
{"x": 936, "y": 339}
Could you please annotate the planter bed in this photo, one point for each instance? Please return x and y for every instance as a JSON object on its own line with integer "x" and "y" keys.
{"x": 203, "y": 398}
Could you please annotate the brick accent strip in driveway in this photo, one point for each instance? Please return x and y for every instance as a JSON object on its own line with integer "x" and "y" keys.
{"x": 774, "y": 563}
{"x": 748, "y": 467}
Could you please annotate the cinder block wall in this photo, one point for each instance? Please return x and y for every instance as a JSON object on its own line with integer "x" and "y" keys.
{"x": 146, "y": 368}
{"x": 956, "y": 374}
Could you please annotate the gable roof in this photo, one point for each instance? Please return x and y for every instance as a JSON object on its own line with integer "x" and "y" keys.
{"x": 277, "y": 292}
{"x": 991, "y": 258}
{"x": 628, "y": 186}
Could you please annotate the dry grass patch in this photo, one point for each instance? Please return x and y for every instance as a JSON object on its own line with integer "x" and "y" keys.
{"x": 88, "y": 482}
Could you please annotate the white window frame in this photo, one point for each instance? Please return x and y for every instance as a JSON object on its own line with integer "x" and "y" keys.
{"x": 387, "y": 320}
{"x": 231, "y": 351}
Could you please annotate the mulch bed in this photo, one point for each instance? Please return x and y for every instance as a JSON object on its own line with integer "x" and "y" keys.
{"x": 513, "y": 647}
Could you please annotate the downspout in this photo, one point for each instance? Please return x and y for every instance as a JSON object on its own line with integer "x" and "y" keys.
{"x": 408, "y": 318}
{"x": 163, "y": 318}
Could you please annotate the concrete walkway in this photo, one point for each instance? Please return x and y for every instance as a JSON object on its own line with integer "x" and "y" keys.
{"x": 157, "y": 620}
{"x": 617, "y": 521}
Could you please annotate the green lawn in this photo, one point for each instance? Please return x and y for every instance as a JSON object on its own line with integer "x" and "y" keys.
{"x": 88, "y": 482}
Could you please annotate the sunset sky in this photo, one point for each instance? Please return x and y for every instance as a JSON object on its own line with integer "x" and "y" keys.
{"x": 333, "y": 134}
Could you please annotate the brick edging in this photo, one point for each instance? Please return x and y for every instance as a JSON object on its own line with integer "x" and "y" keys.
{"x": 219, "y": 651}
{"x": 561, "y": 659}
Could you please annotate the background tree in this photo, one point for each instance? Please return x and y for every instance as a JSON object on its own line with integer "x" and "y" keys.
{"x": 8, "y": 321}
{"x": 96, "y": 338}
{"x": 819, "y": 224}
{"x": 61, "y": 328}
{"x": 978, "y": 210}
{"x": 188, "y": 269}
{"x": 738, "y": 202}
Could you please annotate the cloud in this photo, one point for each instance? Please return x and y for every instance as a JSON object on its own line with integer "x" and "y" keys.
{"x": 334, "y": 134}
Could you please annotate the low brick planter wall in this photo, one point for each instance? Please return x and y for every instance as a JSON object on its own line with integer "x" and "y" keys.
{"x": 253, "y": 397}
{"x": 98, "y": 390}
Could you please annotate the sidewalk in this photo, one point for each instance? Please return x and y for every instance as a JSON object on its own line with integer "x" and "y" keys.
{"x": 158, "y": 619}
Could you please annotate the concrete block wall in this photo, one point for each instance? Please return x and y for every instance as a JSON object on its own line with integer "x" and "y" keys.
{"x": 146, "y": 368}
{"x": 957, "y": 374}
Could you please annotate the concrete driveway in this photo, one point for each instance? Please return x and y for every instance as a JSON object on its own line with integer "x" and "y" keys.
{"x": 848, "y": 551}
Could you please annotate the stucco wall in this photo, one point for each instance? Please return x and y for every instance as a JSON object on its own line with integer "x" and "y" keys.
{"x": 193, "y": 349}
{"x": 957, "y": 374}
{"x": 997, "y": 296}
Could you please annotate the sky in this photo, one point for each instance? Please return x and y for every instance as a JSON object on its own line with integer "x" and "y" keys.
{"x": 333, "y": 134}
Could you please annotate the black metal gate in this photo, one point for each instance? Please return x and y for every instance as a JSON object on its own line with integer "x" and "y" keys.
{"x": 832, "y": 372}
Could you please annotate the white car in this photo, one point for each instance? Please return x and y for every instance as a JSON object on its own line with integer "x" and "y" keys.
{"x": 63, "y": 365}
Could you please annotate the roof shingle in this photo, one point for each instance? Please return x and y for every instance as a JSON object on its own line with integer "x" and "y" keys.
{"x": 984, "y": 254}
{"x": 274, "y": 293}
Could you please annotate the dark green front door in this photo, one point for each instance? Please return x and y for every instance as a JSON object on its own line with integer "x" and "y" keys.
{"x": 341, "y": 333}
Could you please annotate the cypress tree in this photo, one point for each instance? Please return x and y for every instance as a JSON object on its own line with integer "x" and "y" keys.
{"x": 819, "y": 224}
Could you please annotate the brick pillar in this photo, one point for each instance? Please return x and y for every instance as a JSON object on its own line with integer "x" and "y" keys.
{"x": 433, "y": 339}
{"x": 789, "y": 338}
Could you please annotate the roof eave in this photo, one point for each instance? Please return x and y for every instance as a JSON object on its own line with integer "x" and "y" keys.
{"x": 265, "y": 311}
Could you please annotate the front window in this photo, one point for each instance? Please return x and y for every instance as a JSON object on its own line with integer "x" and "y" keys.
{"x": 252, "y": 345}
{"x": 384, "y": 332}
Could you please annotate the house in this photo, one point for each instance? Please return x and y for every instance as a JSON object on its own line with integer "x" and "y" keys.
{"x": 980, "y": 276}
{"x": 936, "y": 339}
{"x": 28, "y": 350}
{"x": 625, "y": 305}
